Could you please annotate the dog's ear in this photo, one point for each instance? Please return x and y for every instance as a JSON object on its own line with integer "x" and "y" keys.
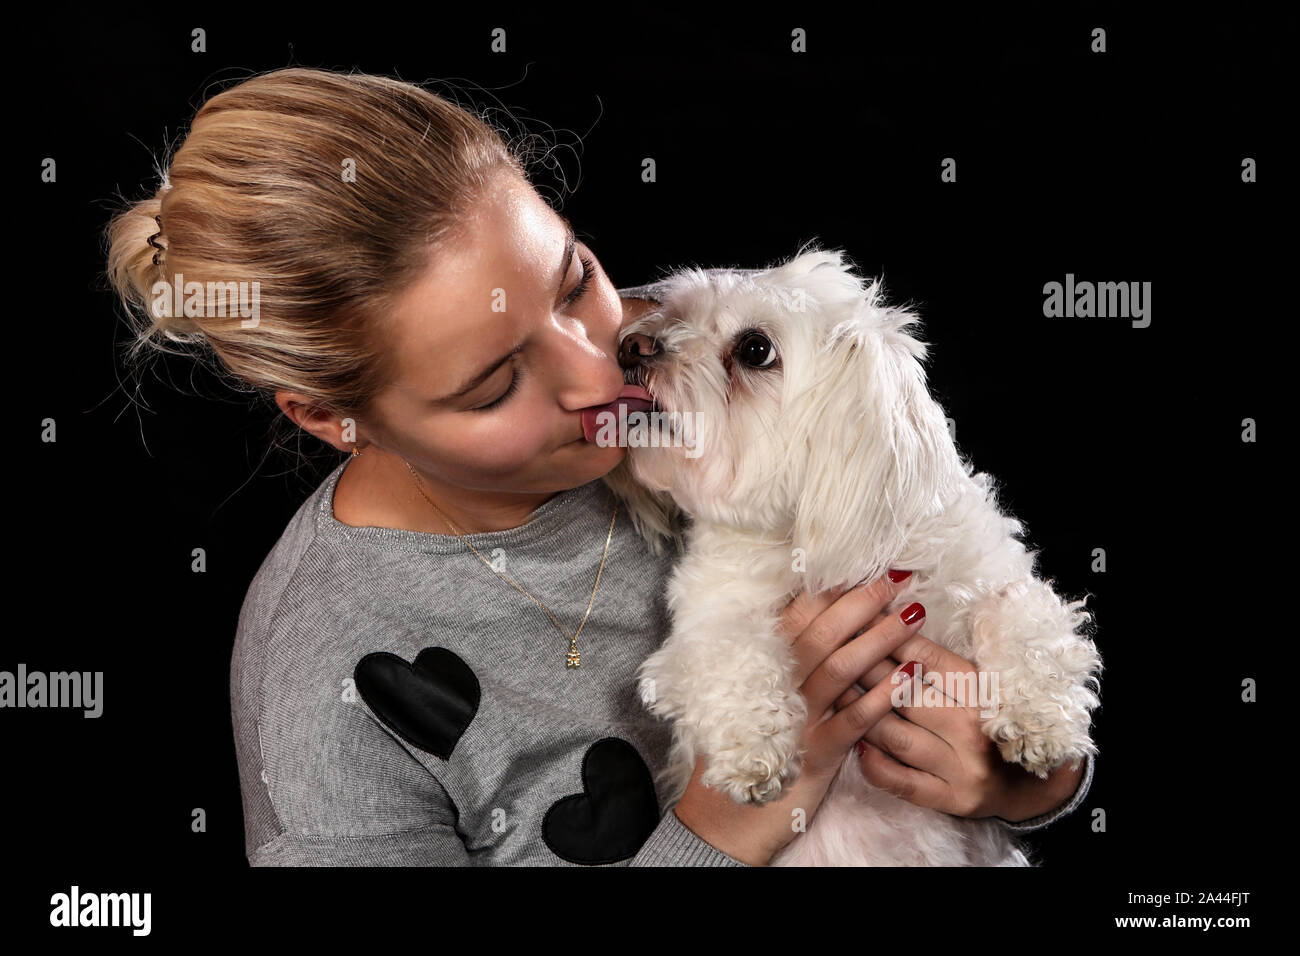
{"x": 875, "y": 455}
{"x": 654, "y": 514}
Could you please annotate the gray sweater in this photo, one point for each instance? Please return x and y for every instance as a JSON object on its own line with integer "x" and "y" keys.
{"x": 396, "y": 703}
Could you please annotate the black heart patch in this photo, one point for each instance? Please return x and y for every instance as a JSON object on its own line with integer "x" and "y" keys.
{"x": 429, "y": 703}
{"x": 613, "y": 816}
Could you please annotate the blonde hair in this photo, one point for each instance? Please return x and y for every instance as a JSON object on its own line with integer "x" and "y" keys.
{"x": 257, "y": 192}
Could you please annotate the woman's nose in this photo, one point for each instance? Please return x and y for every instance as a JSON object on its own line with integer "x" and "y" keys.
{"x": 633, "y": 349}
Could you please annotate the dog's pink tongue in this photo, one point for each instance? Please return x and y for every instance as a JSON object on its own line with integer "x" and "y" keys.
{"x": 636, "y": 398}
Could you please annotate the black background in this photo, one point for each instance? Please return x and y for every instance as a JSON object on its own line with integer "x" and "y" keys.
{"x": 1123, "y": 166}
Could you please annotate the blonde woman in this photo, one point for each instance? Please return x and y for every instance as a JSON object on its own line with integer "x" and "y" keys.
{"x": 435, "y": 663}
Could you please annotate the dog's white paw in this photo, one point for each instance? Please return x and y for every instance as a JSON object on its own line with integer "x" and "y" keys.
{"x": 766, "y": 759}
{"x": 1034, "y": 740}
{"x": 755, "y": 775}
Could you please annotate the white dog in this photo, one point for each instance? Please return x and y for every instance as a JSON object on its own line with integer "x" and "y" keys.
{"x": 820, "y": 459}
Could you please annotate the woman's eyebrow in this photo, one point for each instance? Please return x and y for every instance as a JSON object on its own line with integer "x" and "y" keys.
{"x": 476, "y": 380}
{"x": 569, "y": 241}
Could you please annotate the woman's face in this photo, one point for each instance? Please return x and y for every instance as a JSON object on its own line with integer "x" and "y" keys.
{"x": 509, "y": 333}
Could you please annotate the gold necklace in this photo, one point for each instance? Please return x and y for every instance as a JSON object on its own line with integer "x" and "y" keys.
{"x": 573, "y": 658}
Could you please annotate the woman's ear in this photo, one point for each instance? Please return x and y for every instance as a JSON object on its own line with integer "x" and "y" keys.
{"x": 654, "y": 514}
{"x": 875, "y": 455}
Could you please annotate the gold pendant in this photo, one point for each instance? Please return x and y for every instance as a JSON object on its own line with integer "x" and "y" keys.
{"x": 574, "y": 659}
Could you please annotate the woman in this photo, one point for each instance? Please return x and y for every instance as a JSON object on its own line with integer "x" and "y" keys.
{"x": 435, "y": 664}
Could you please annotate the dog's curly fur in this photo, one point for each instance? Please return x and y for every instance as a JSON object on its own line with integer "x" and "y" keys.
{"x": 828, "y": 467}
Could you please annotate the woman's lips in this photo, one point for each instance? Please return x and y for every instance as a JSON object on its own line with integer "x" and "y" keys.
{"x": 636, "y": 398}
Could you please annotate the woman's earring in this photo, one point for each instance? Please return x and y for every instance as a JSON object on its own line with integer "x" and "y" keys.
{"x": 356, "y": 452}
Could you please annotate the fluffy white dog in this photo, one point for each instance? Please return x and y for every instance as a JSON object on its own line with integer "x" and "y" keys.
{"x": 817, "y": 457}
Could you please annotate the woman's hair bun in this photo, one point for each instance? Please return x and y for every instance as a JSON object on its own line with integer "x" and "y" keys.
{"x": 136, "y": 238}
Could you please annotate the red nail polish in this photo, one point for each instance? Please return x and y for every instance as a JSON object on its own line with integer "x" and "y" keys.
{"x": 860, "y": 747}
{"x": 913, "y": 613}
{"x": 909, "y": 668}
{"x": 897, "y": 576}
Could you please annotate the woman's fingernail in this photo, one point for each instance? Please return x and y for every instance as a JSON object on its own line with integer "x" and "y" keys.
{"x": 897, "y": 576}
{"x": 908, "y": 670}
{"x": 860, "y": 747}
{"x": 913, "y": 613}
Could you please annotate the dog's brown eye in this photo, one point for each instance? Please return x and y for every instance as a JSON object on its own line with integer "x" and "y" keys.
{"x": 755, "y": 350}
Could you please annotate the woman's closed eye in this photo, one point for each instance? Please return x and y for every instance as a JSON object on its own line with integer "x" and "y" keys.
{"x": 510, "y": 390}
{"x": 588, "y": 272}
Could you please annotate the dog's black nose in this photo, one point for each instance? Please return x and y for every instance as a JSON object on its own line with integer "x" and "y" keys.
{"x": 633, "y": 349}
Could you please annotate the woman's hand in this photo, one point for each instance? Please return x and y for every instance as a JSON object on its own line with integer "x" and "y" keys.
{"x": 937, "y": 756}
{"x": 830, "y": 654}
